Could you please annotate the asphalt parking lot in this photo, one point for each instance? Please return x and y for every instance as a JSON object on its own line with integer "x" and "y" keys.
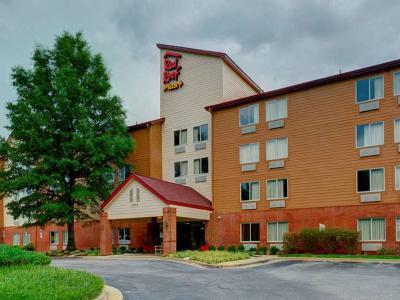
{"x": 146, "y": 279}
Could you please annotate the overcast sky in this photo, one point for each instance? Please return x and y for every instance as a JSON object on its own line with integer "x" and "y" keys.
{"x": 277, "y": 43}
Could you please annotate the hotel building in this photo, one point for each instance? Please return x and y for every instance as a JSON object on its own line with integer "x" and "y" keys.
{"x": 228, "y": 164}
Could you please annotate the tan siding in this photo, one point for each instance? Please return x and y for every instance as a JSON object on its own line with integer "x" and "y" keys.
{"x": 155, "y": 145}
{"x": 139, "y": 158}
{"x": 323, "y": 160}
{"x": 1, "y": 202}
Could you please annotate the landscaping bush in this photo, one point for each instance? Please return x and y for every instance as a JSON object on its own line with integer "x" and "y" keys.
{"x": 330, "y": 240}
{"x": 274, "y": 250}
{"x": 240, "y": 248}
{"x": 232, "y": 248}
{"x": 211, "y": 257}
{"x": 212, "y": 248}
{"x": 221, "y": 248}
{"x": 11, "y": 255}
{"x": 387, "y": 251}
{"x": 262, "y": 250}
{"x": 30, "y": 247}
{"x": 139, "y": 250}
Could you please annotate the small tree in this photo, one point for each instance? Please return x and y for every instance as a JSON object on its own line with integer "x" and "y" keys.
{"x": 66, "y": 129}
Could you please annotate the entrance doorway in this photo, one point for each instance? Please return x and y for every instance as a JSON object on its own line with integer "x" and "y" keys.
{"x": 190, "y": 235}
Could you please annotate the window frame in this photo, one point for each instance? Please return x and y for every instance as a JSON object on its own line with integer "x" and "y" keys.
{"x": 200, "y": 140}
{"x": 276, "y": 179}
{"x": 180, "y": 138}
{"x": 397, "y": 229}
{"x": 276, "y": 139}
{"x": 256, "y": 118}
{"x": 200, "y": 166}
{"x": 187, "y": 171}
{"x": 369, "y": 124}
{"x": 395, "y": 177}
{"x": 369, "y": 89}
{"x": 370, "y": 218}
{"x": 24, "y": 234}
{"x": 395, "y": 131}
{"x": 240, "y": 153}
{"x": 394, "y": 83}
{"x": 250, "y": 200}
{"x": 124, "y": 241}
{"x": 64, "y": 234}
{"x": 126, "y": 174}
{"x": 251, "y": 241}
{"x": 277, "y": 223}
{"x": 384, "y": 180}
{"x": 276, "y": 100}
{"x": 19, "y": 239}
{"x": 58, "y": 238}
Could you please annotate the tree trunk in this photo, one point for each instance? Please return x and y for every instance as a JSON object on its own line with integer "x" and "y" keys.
{"x": 71, "y": 237}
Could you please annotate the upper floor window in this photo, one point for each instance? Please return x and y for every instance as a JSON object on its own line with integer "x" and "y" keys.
{"x": 201, "y": 166}
{"x": 181, "y": 168}
{"x": 109, "y": 177}
{"x": 200, "y": 133}
{"x": 277, "y": 148}
{"x": 249, "y": 153}
{"x": 276, "y": 109}
{"x": 250, "y": 191}
{"x": 124, "y": 172}
{"x": 397, "y": 177}
{"x": 371, "y": 180}
{"x": 276, "y": 231}
{"x": 397, "y": 131}
{"x": 369, "y": 89}
{"x": 180, "y": 137}
{"x": 248, "y": 115}
{"x": 277, "y": 189}
{"x": 396, "y": 84}
{"x": 372, "y": 229}
{"x": 369, "y": 134}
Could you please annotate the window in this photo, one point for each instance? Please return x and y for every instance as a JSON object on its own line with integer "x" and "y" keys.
{"x": 277, "y": 189}
{"x": 248, "y": 115}
{"x": 15, "y": 240}
{"x": 180, "y": 137}
{"x": 372, "y": 229}
{"x": 398, "y": 229}
{"x": 249, "y": 153}
{"x": 53, "y": 238}
{"x": 369, "y": 89}
{"x": 181, "y": 169}
{"x": 276, "y": 230}
{"x": 372, "y": 180}
{"x": 276, "y": 109}
{"x": 124, "y": 235}
{"x": 201, "y": 166}
{"x": 109, "y": 177}
{"x": 397, "y": 131}
{"x": 368, "y": 135}
{"x": 396, "y": 84}
{"x": 250, "y": 191}
{"x": 277, "y": 148}
{"x": 65, "y": 237}
{"x": 397, "y": 177}
{"x": 26, "y": 238}
{"x": 250, "y": 232}
{"x": 124, "y": 172}
{"x": 200, "y": 133}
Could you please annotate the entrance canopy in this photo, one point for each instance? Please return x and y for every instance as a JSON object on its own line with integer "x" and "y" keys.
{"x": 144, "y": 197}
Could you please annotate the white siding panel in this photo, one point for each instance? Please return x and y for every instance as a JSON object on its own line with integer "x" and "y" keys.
{"x": 8, "y": 219}
{"x": 192, "y": 213}
{"x": 234, "y": 86}
{"x": 122, "y": 208}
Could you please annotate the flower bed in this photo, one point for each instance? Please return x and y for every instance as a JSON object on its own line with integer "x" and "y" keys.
{"x": 211, "y": 257}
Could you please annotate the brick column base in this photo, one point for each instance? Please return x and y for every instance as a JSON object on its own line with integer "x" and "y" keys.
{"x": 169, "y": 230}
{"x": 105, "y": 235}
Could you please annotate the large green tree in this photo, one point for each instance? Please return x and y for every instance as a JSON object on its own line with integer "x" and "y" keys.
{"x": 67, "y": 130}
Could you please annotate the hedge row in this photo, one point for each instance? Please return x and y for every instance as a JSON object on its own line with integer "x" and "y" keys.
{"x": 12, "y": 255}
{"x": 330, "y": 240}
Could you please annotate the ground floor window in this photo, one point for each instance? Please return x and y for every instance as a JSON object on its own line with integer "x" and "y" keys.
{"x": 53, "y": 238}
{"x": 27, "y": 238}
{"x": 16, "y": 239}
{"x": 250, "y": 232}
{"x": 65, "y": 237}
{"x": 276, "y": 230}
{"x": 372, "y": 229}
{"x": 124, "y": 235}
{"x": 398, "y": 229}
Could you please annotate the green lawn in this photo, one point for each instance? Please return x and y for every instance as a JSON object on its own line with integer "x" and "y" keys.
{"x": 357, "y": 256}
{"x": 211, "y": 257}
{"x": 45, "y": 282}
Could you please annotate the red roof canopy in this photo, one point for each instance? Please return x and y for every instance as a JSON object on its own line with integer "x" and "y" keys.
{"x": 168, "y": 192}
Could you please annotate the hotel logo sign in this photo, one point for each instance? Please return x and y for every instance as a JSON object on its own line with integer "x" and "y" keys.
{"x": 171, "y": 72}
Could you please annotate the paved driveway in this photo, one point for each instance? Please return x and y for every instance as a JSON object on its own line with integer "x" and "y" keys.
{"x": 144, "y": 279}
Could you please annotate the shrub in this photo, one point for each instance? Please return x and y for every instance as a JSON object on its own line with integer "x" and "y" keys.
{"x": 122, "y": 249}
{"x": 292, "y": 242}
{"x": 328, "y": 239}
{"x": 232, "y": 248}
{"x": 386, "y": 251}
{"x": 221, "y": 248}
{"x": 30, "y": 247}
{"x": 212, "y": 248}
{"x": 348, "y": 240}
{"x": 310, "y": 238}
{"x": 262, "y": 250}
{"x": 274, "y": 250}
{"x": 211, "y": 257}
{"x": 10, "y": 255}
{"x": 139, "y": 250}
{"x": 240, "y": 248}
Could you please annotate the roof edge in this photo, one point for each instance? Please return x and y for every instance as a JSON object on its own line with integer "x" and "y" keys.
{"x": 145, "y": 124}
{"x": 225, "y": 57}
{"x": 306, "y": 85}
